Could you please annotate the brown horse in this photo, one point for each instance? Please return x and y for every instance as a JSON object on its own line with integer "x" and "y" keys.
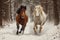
{"x": 21, "y": 18}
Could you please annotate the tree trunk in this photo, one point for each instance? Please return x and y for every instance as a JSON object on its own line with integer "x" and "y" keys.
{"x": 56, "y": 14}
{"x": 0, "y": 13}
{"x": 0, "y": 18}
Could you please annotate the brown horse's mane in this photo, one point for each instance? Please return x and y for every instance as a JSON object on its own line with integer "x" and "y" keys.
{"x": 19, "y": 9}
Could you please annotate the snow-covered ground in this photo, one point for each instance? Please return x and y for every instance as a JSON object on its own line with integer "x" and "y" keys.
{"x": 49, "y": 32}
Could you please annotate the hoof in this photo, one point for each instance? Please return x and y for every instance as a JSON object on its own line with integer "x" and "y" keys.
{"x": 40, "y": 31}
{"x": 20, "y": 32}
{"x": 16, "y": 33}
{"x": 35, "y": 33}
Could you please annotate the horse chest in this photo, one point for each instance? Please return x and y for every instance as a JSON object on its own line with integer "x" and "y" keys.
{"x": 37, "y": 14}
{"x": 37, "y": 20}
{"x": 22, "y": 18}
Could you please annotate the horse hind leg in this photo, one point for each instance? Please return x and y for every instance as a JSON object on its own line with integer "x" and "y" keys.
{"x": 24, "y": 28}
{"x": 40, "y": 30}
{"x": 17, "y": 29}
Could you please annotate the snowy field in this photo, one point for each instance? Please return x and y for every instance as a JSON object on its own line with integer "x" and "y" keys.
{"x": 49, "y": 32}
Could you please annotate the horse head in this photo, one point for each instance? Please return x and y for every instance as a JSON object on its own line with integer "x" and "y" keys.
{"x": 38, "y": 10}
{"x": 22, "y": 8}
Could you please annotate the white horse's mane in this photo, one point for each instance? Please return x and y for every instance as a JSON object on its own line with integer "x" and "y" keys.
{"x": 41, "y": 10}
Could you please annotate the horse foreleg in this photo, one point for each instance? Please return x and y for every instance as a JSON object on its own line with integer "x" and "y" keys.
{"x": 22, "y": 29}
{"x": 35, "y": 28}
{"x": 17, "y": 29}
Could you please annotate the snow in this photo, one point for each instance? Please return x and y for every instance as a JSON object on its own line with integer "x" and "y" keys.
{"x": 49, "y": 32}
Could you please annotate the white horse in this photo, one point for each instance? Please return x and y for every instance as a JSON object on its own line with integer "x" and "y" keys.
{"x": 39, "y": 18}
